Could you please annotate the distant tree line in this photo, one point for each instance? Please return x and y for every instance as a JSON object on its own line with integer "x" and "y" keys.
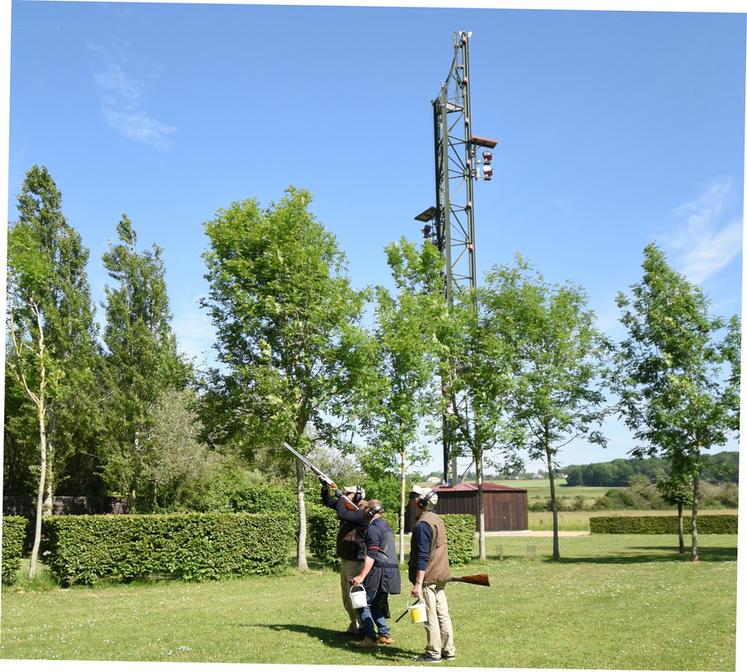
{"x": 718, "y": 468}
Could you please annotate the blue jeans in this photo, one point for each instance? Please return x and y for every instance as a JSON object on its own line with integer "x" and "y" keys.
{"x": 372, "y": 617}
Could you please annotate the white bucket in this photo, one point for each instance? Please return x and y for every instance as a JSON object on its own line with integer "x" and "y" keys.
{"x": 358, "y": 597}
{"x": 417, "y": 612}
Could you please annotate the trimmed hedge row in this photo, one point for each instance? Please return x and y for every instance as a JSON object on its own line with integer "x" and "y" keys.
{"x": 192, "y": 546}
{"x": 14, "y": 532}
{"x": 460, "y": 531}
{"x": 726, "y": 524}
{"x": 321, "y": 534}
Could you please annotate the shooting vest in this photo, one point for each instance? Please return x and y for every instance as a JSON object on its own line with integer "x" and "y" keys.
{"x": 437, "y": 570}
{"x": 384, "y": 574}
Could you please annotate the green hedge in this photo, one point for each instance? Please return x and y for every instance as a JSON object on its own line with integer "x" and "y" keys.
{"x": 460, "y": 531}
{"x": 14, "y": 531}
{"x": 321, "y": 534}
{"x": 726, "y": 524}
{"x": 193, "y": 546}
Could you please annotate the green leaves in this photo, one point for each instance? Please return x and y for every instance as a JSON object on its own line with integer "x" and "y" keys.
{"x": 286, "y": 319}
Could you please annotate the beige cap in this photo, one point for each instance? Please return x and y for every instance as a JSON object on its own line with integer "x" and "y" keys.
{"x": 422, "y": 490}
{"x": 353, "y": 489}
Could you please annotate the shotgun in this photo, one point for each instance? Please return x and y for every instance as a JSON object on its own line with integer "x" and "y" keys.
{"x": 474, "y": 579}
{"x": 349, "y": 504}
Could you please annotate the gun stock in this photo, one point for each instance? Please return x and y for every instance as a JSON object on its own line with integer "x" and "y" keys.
{"x": 474, "y": 579}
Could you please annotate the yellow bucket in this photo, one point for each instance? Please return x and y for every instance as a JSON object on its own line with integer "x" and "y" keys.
{"x": 417, "y": 612}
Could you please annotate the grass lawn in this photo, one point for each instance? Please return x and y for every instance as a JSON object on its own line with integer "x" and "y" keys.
{"x": 613, "y": 601}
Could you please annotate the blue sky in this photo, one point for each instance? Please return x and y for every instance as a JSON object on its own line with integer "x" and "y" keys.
{"x": 616, "y": 129}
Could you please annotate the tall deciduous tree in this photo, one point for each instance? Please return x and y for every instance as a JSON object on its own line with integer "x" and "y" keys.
{"x": 677, "y": 371}
{"x": 557, "y": 355}
{"x": 399, "y": 393}
{"x": 142, "y": 360}
{"x": 479, "y": 367}
{"x": 50, "y": 330}
{"x": 286, "y": 320}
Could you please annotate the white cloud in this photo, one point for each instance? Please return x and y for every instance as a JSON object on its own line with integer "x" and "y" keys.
{"x": 122, "y": 107}
{"x": 707, "y": 240}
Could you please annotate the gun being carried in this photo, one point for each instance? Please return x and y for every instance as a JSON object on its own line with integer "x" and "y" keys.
{"x": 321, "y": 476}
{"x": 474, "y": 579}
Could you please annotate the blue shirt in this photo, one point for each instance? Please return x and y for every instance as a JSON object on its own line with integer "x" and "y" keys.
{"x": 420, "y": 544}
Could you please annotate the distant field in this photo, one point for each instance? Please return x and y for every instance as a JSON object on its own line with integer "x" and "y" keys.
{"x": 540, "y": 489}
{"x": 579, "y": 520}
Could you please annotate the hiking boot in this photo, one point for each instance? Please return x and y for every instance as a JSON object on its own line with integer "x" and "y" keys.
{"x": 384, "y": 639}
{"x": 365, "y": 643}
{"x": 426, "y": 658}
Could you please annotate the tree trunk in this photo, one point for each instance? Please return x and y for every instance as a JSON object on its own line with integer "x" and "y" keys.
{"x": 694, "y": 522}
{"x": 301, "y": 545}
{"x": 681, "y": 527}
{"x": 553, "y": 507}
{"x": 480, "y": 508}
{"x": 402, "y": 494}
{"x": 49, "y": 481}
{"x": 41, "y": 489}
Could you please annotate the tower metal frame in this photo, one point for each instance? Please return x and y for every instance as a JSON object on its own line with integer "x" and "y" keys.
{"x": 456, "y": 168}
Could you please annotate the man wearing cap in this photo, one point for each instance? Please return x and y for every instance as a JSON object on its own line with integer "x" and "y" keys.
{"x": 351, "y": 543}
{"x": 428, "y": 572}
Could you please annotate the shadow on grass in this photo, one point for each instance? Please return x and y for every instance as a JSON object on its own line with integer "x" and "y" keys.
{"x": 667, "y": 554}
{"x": 338, "y": 640}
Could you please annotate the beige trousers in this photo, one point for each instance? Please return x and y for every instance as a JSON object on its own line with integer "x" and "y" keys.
{"x": 349, "y": 569}
{"x": 438, "y": 628}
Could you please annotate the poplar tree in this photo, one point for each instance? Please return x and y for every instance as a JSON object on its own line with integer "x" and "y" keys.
{"x": 287, "y": 328}
{"x": 50, "y": 332}
{"x": 677, "y": 373}
{"x": 141, "y": 359}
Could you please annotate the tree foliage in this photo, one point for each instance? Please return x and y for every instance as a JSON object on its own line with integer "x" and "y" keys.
{"x": 141, "y": 362}
{"x": 557, "y": 362}
{"x": 51, "y": 334}
{"x": 287, "y": 329}
{"x": 677, "y": 371}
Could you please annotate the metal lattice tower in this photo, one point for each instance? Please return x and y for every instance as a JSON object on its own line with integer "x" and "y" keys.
{"x": 456, "y": 167}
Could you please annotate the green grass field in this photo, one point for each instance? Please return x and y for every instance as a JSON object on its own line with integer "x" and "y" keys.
{"x": 613, "y": 601}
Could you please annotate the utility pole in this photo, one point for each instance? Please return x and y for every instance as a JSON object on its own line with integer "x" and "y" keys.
{"x": 451, "y": 223}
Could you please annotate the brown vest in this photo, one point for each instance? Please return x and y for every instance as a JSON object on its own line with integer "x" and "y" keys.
{"x": 437, "y": 570}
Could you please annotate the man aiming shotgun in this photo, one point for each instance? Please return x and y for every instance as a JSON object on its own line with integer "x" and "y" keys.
{"x": 351, "y": 544}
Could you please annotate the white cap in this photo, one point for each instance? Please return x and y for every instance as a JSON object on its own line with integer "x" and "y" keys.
{"x": 353, "y": 489}
{"x": 422, "y": 490}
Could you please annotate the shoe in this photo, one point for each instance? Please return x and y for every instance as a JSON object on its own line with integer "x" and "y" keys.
{"x": 366, "y": 643}
{"x": 446, "y": 657}
{"x": 425, "y": 658}
{"x": 384, "y": 639}
{"x": 354, "y": 631}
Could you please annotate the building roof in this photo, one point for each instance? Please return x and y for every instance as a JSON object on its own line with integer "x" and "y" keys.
{"x": 472, "y": 487}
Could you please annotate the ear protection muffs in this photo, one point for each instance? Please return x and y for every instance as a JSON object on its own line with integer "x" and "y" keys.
{"x": 358, "y": 494}
{"x": 376, "y": 509}
{"x": 422, "y": 502}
